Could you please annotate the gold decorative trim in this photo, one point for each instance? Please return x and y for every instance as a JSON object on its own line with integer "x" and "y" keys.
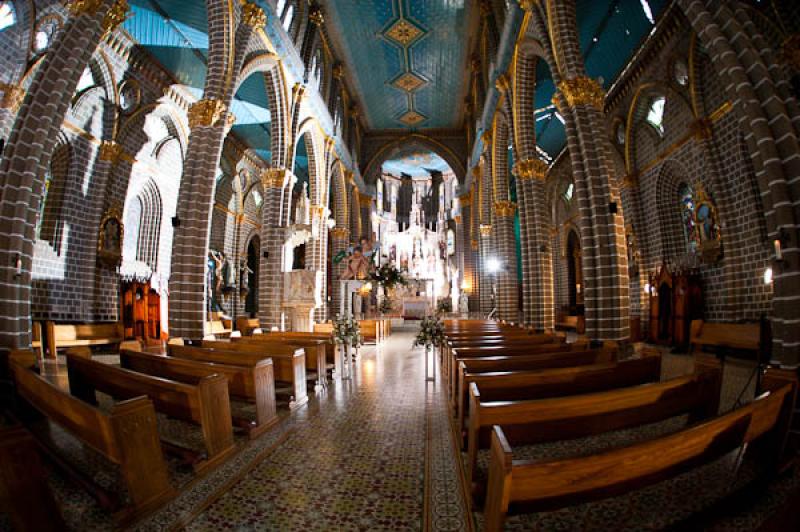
{"x": 338, "y": 71}
{"x": 340, "y": 232}
{"x": 581, "y": 90}
{"x": 502, "y": 82}
{"x": 110, "y": 151}
{"x": 630, "y": 181}
{"x": 365, "y": 200}
{"x": 273, "y": 177}
{"x": 505, "y": 208}
{"x": 253, "y": 16}
{"x": 486, "y": 230}
{"x": 206, "y": 113}
{"x": 531, "y": 169}
{"x": 474, "y": 245}
{"x": 316, "y": 16}
{"x": 298, "y": 92}
{"x": 317, "y": 211}
{"x": 528, "y": 5}
{"x": 13, "y": 95}
{"x": 457, "y": 219}
{"x": 486, "y": 137}
{"x": 701, "y": 128}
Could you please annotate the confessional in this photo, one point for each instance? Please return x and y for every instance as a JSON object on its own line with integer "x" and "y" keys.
{"x": 675, "y": 300}
{"x": 141, "y": 311}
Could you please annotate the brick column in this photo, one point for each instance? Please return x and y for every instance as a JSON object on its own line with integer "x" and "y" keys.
{"x": 28, "y": 152}
{"x": 506, "y": 253}
{"x": 210, "y": 121}
{"x": 317, "y": 254}
{"x": 580, "y": 101}
{"x": 270, "y": 274}
{"x": 537, "y": 256}
{"x": 487, "y": 283}
{"x": 340, "y": 240}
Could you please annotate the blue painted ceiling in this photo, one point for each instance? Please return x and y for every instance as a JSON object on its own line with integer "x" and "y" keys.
{"x": 610, "y": 33}
{"x": 175, "y": 33}
{"x": 408, "y": 58}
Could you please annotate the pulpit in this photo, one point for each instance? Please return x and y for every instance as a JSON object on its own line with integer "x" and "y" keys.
{"x": 301, "y": 296}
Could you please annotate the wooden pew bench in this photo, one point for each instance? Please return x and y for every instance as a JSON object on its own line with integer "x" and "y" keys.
{"x": 369, "y": 331}
{"x": 499, "y": 384}
{"x": 37, "y": 342}
{"x": 525, "y": 486}
{"x": 537, "y": 356}
{"x": 565, "y": 322}
{"x": 527, "y": 422}
{"x": 727, "y": 336}
{"x": 254, "y": 384}
{"x": 320, "y": 350}
{"x": 63, "y": 335}
{"x": 126, "y": 436}
{"x": 288, "y": 363}
{"x": 25, "y": 496}
{"x": 204, "y": 402}
{"x": 218, "y": 329}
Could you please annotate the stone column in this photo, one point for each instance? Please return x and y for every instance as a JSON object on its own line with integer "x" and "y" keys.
{"x": 28, "y": 152}
{"x": 487, "y": 283}
{"x": 506, "y": 253}
{"x": 340, "y": 240}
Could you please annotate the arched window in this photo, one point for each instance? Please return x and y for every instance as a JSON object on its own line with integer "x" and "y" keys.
{"x": 687, "y": 208}
{"x": 287, "y": 17}
{"x": 655, "y": 114}
{"x": 8, "y": 17}
{"x": 149, "y": 226}
{"x": 280, "y": 7}
{"x": 86, "y": 81}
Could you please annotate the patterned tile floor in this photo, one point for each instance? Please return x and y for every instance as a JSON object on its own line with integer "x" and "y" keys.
{"x": 377, "y": 453}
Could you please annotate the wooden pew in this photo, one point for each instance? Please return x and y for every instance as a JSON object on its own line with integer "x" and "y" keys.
{"x": 254, "y": 384}
{"x": 60, "y": 335}
{"x": 731, "y": 336}
{"x": 25, "y": 495}
{"x": 37, "y": 344}
{"x": 503, "y": 385}
{"x": 127, "y": 436}
{"x": 369, "y": 331}
{"x": 218, "y": 329}
{"x": 317, "y": 349}
{"x": 540, "y": 420}
{"x": 247, "y": 325}
{"x": 204, "y": 402}
{"x": 326, "y": 327}
{"x": 523, "y": 486}
{"x": 498, "y": 358}
{"x": 288, "y": 363}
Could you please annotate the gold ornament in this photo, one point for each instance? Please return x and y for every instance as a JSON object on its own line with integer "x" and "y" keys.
{"x": 486, "y": 230}
{"x": 502, "y": 83}
{"x": 531, "y": 169}
{"x": 110, "y": 151}
{"x": 205, "y": 113}
{"x": 315, "y": 16}
{"x": 581, "y": 91}
{"x": 340, "y": 232}
{"x": 253, "y": 16}
{"x": 505, "y": 208}
{"x": 273, "y": 177}
{"x": 12, "y": 97}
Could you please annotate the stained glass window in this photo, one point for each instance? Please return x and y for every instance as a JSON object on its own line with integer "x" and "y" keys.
{"x": 8, "y": 17}
{"x": 655, "y": 114}
{"x": 287, "y": 19}
{"x": 687, "y": 206}
{"x": 570, "y": 190}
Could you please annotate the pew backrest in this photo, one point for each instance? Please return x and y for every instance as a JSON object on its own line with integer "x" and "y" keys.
{"x": 738, "y": 336}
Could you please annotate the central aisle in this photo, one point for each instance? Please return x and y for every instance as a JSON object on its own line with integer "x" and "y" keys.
{"x": 356, "y": 457}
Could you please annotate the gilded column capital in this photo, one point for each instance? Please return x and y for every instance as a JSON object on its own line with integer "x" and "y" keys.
{"x": 317, "y": 211}
{"x": 298, "y": 92}
{"x": 474, "y": 244}
{"x": 110, "y": 151}
{"x": 702, "y": 128}
{"x": 316, "y": 16}
{"x": 502, "y": 83}
{"x": 273, "y": 177}
{"x": 457, "y": 219}
{"x": 340, "y": 232}
{"x": 528, "y": 5}
{"x": 348, "y": 176}
{"x": 531, "y": 169}
{"x": 115, "y": 16}
{"x": 486, "y": 138}
{"x": 505, "y": 208}
{"x": 631, "y": 180}
{"x": 486, "y": 230}
{"x": 207, "y": 113}
{"x": 581, "y": 90}
{"x": 330, "y": 142}
{"x": 253, "y": 15}
{"x": 12, "y": 97}
{"x": 338, "y": 71}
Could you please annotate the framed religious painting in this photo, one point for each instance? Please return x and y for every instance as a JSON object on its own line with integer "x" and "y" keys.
{"x": 109, "y": 240}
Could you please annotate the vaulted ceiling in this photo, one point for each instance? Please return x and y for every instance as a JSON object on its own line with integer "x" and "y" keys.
{"x": 407, "y": 59}
{"x": 175, "y": 33}
{"x": 610, "y": 33}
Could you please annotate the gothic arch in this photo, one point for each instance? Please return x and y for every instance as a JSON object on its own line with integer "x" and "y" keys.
{"x": 372, "y": 169}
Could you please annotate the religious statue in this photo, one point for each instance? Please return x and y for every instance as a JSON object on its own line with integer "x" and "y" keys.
{"x": 357, "y": 266}
{"x": 302, "y": 211}
{"x": 244, "y": 278}
{"x": 109, "y": 242}
{"x": 463, "y": 303}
